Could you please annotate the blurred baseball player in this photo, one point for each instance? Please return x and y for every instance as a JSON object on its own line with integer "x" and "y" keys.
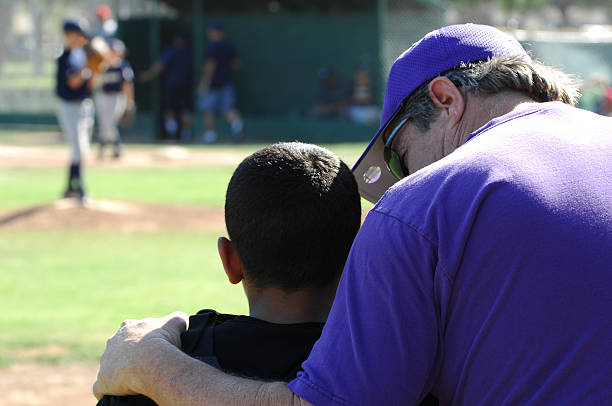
{"x": 114, "y": 98}
{"x": 216, "y": 88}
{"x": 76, "y": 109}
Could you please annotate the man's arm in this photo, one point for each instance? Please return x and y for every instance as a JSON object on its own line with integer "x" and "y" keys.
{"x": 154, "y": 71}
{"x": 143, "y": 357}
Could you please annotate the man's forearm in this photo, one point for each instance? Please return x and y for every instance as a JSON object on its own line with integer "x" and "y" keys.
{"x": 175, "y": 379}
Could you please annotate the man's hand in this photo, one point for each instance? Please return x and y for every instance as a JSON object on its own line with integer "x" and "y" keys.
{"x": 132, "y": 349}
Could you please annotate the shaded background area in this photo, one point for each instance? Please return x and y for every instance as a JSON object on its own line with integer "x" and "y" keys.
{"x": 284, "y": 45}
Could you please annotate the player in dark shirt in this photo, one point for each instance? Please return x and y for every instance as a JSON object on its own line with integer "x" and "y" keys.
{"x": 75, "y": 110}
{"x": 291, "y": 211}
{"x": 176, "y": 64}
{"x": 216, "y": 89}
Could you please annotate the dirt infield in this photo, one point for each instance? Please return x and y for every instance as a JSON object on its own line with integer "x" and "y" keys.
{"x": 169, "y": 156}
{"x": 38, "y": 384}
{"x": 112, "y": 215}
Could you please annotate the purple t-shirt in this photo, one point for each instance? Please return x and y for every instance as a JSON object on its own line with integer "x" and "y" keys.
{"x": 484, "y": 278}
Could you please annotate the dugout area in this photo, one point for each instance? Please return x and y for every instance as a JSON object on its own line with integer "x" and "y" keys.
{"x": 283, "y": 46}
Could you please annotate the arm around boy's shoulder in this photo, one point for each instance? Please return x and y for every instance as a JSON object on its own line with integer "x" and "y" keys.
{"x": 197, "y": 341}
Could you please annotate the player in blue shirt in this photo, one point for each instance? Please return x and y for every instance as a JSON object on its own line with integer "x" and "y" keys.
{"x": 216, "y": 89}
{"x": 176, "y": 65}
{"x": 75, "y": 110}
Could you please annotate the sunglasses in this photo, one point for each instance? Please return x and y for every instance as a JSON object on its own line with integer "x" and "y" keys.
{"x": 392, "y": 158}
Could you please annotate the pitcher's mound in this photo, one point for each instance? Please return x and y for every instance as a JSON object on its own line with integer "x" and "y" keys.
{"x": 113, "y": 215}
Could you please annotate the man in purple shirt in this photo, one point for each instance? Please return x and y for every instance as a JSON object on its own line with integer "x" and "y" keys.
{"x": 484, "y": 276}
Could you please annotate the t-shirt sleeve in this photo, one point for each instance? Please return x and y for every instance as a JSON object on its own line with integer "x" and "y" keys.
{"x": 380, "y": 345}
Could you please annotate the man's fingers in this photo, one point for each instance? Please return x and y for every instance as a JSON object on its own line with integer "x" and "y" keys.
{"x": 131, "y": 348}
{"x": 174, "y": 324}
{"x": 177, "y": 320}
{"x": 96, "y": 390}
{"x": 127, "y": 321}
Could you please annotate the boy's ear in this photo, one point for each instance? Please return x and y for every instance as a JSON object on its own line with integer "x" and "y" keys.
{"x": 231, "y": 261}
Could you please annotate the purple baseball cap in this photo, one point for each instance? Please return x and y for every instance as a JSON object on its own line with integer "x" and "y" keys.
{"x": 437, "y": 52}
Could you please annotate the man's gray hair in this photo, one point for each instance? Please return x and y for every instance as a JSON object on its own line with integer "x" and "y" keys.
{"x": 493, "y": 75}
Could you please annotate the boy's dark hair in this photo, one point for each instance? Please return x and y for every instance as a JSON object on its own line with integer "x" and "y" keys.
{"x": 292, "y": 211}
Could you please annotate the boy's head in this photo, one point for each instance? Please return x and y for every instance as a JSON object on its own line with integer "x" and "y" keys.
{"x": 292, "y": 211}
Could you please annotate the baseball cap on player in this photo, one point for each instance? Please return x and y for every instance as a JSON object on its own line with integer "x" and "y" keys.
{"x": 436, "y": 53}
{"x": 77, "y": 25}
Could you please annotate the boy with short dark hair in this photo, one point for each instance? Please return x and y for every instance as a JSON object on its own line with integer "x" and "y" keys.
{"x": 291, "y": 211}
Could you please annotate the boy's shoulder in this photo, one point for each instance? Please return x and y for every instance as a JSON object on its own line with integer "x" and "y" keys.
{"x": 248, "y": 346}
{"x": 240, "y": 345}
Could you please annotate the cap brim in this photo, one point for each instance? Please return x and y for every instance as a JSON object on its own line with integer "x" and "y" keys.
{"x": 371, "y": 171}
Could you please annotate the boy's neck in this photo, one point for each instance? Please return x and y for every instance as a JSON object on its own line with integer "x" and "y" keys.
{"x": 278, "y": 306}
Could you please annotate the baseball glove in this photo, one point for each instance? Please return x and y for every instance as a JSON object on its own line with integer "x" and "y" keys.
{"x": 98, "y": 53}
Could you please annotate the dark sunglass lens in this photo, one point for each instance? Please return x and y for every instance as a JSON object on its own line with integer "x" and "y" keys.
{"x": 395, "y": 165}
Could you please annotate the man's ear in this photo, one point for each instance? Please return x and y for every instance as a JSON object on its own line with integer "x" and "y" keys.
{"x": 231, "y": 261}
{"x": 446, "y": 96}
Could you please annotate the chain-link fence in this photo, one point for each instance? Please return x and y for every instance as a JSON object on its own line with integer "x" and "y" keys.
{"x": 403, "y": 23}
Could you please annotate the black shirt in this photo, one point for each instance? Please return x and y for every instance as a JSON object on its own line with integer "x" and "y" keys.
{"x": 241, "y": 345}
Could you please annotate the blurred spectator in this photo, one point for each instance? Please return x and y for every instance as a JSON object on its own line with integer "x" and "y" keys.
{"x": 107, "y": 25}
{"x": 605, "y": 104}
{"x": 176, "y": 63}
{"x": 594, "y": 94}
{"x": 216, "y": 88}
{"x": 114, "y": 98}
{"x": 361, "y": 107}
{"x": 332, "y": 97}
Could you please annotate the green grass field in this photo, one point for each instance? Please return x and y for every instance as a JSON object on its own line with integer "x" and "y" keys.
{"x": 203, "y": 186}
{"x": 63, "y": 292}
